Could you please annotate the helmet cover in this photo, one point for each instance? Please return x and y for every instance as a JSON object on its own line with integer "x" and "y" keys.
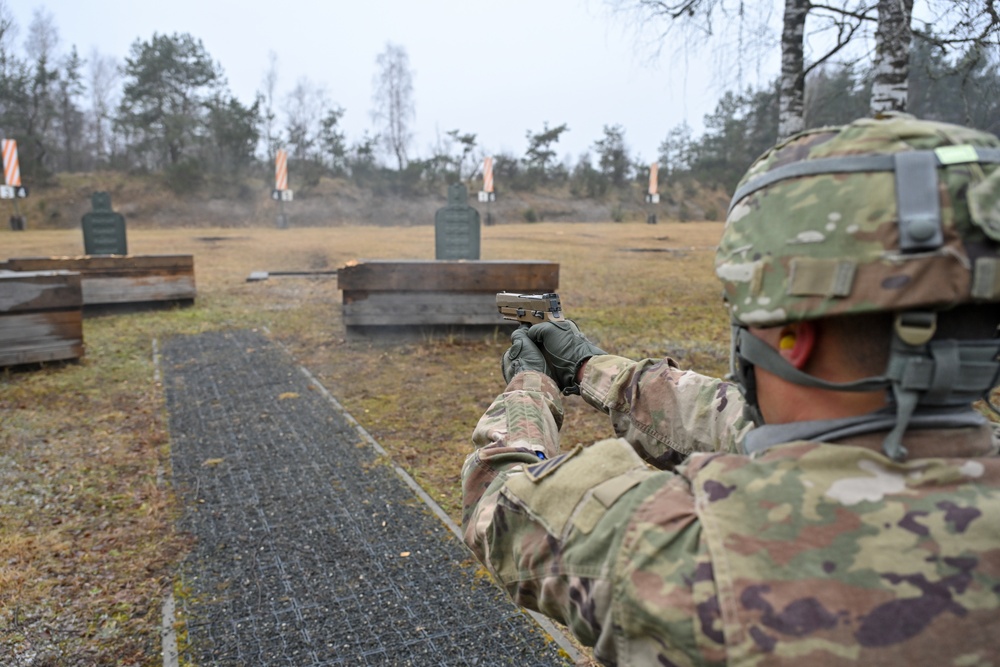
{"x": 885, "y": 214}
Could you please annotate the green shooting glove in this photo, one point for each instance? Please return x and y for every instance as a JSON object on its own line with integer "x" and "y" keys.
{"x": 565, "y": 349}
{"x": 522, "y": 355}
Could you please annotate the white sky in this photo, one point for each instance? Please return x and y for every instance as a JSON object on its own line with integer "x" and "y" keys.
{"x": 495, "y": 69}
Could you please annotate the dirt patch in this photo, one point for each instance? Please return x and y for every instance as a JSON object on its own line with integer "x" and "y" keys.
{"x": 221, "y": 239}
{"x": 672, "y": 251}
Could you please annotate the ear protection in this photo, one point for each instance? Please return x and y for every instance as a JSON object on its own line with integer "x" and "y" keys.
{"x": 787, "y": 342}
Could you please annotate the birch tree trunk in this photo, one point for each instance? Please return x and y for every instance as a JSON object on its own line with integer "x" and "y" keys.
{"x": 892, "y": 56}
{"x": 393, "y": 99}
{"x": 792, "y": 88}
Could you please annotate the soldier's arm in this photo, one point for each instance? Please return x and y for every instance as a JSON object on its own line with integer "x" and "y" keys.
{"x": 520, "y": 428}
{"x": 664, "y": 412}
{"x": 554, "y": 531}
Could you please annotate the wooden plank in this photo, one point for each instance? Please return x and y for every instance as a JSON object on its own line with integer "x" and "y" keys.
{"x": 39, "y": 353}
{"x": 97, "y": 263}
{"x": 459, "y": 276}
{"x": 122, "y": 279}
{"x": 31, "y": 326}
{"x": 107, "y": 290}
{"x": 132, "y": 273}
{"x": 27, "y": 338}
{"x": 421, "y": 308}
{"x": 39, "y": 290}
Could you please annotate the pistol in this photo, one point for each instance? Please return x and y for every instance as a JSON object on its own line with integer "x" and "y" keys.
{"x": 530, "y": 308}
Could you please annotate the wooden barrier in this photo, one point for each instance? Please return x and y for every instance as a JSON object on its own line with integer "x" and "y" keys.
{"x": 40, "y": 317}
{"x": 121, "y": 279}
{"x": 417, "y": 293}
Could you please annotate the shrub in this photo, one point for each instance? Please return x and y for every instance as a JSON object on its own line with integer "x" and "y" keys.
{"x": 185, "y": 176}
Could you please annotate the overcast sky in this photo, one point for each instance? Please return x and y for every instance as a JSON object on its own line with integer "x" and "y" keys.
{"x": 497, "y": 69}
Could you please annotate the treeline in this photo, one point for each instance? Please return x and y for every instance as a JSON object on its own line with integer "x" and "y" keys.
{"x": 961, "y": 90}
{"x": 167, "y": 110}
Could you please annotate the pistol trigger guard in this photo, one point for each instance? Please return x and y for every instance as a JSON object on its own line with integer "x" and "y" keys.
{"x": 575, "y": 389}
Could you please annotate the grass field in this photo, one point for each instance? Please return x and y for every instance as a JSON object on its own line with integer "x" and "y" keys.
{"x": 87, "y": 539}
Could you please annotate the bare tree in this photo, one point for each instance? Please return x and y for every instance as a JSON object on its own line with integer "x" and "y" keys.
{"x": 270, "y": 83}
{"x": 43, "y": 36}
{"x": 40, "y": 44}
{"x": 949, "y": 25}
{"x": 305, "y": 108}
{"x": 393, "y": 101}
{"x": 103, "y": 82}
{"x": 838, "y": 23}
{"x": 8, "y": 34}
{"x": 953, "y": 24}
{"x": 689, "y": 26}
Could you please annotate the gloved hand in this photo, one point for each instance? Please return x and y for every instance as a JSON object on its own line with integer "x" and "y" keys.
{"x": 522, "y": 355}
{"x": 565, "y": 349}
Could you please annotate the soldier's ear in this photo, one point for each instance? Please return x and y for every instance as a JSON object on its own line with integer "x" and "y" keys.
{"x": 797, "y": 342}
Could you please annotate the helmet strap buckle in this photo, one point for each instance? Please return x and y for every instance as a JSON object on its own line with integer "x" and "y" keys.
{"x": 913, "y": 329}
{"x": 916, "y": 328}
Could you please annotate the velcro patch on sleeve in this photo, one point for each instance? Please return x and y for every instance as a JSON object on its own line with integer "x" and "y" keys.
{"x": 552, "y": 499}
{"x": 604, "y": 496}
{"x": 538, "y": 471}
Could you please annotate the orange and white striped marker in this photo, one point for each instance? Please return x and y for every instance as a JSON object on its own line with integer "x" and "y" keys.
{"x": 281, "y": 170}
{"x": 488, "y": 174}
{"x": 11, "y": 169}
{"x": 654, "y": 179}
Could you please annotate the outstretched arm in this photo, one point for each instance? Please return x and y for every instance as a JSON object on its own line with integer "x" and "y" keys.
{"x": 664, "y": 412}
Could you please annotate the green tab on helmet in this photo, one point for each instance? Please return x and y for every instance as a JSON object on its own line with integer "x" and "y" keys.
{"x": 956, "y": 154}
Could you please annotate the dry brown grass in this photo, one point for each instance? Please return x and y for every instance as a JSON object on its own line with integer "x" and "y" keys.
{"x": 87, "y": 542}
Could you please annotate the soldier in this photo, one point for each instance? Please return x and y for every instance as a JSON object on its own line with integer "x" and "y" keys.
{"x": 839, "y": 503}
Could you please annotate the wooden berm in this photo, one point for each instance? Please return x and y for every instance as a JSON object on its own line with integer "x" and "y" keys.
{"x": 420, "y": 293}
{"x": 108, "y": 280}
{"x": 41, "y": 317}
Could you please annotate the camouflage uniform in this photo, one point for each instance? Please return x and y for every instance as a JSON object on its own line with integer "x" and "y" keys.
{"x": 695, "y": 538}
{"x": 805, "y": 553}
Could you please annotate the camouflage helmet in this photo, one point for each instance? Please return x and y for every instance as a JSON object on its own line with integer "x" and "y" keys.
{"x": 888, "y": 214}
{"x": 885, "y": 214}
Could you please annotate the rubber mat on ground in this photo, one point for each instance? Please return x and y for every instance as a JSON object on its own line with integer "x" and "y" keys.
{"x": 308, "y": 549}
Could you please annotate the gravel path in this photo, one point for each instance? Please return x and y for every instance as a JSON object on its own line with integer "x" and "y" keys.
{"x": 310, "y": 550}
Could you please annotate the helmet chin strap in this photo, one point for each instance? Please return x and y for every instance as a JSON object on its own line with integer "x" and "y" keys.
{"x": 920, "y": 372}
